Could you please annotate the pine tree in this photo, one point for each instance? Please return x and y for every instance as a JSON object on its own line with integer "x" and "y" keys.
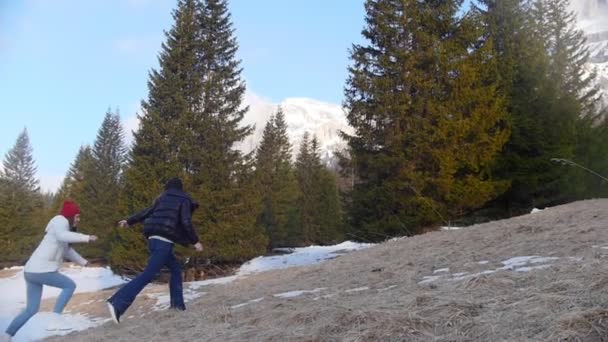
{"x": 578, "y": 98}
{"x": 320, "y": 212}
{"x": 275, "y": 175}
{"x": 307, "y": 230}
{"x": 20, "y": 200}
{"x": 19, "y": 166}
{"x": 189, "y": 127}
{"x": 328, "y": 213}
{"x": 428, "y": 121}
{"x": 566, "y": 46}
{"x": 160, "y": 144}
{"x": 101, "y": 185}
{"x": 174, "y": 95}
{"x": 218, "y": 167}
{"x": 543, "y": 101}
{"x": 568, "y": 52}
{"x": 72, "y": 185}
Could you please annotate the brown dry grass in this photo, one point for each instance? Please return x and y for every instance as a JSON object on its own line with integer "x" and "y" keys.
{"x": 376, "y": 295}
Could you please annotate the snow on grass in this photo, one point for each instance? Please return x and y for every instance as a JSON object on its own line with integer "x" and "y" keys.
{"x": 163, "y": 300}
{"x": 357, "y": 289}
{"x": 87, "y": 279}
{"x": 429, "y": 279}
{"x": 387, "y": 288}
{"x": 450, "y": 228}
{"x": 194, "y": 285}
{"x": 520, "y": 262}
{"x": 441, "y": 270}
{"x": 517, "y": 264}
{"x": 257, "y": 300}
{"x": 300, "y": 257}
{"x": 45, "y": 324}
{"x": 291, "y": 294}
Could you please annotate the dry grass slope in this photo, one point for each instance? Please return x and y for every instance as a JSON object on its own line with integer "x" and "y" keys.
{"x": 381, "y": 294}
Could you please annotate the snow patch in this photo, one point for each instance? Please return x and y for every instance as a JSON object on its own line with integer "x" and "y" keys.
{"x": 300, "y": 256}
{"x": 291, "y": 294}
{"x": 517, "y": 264}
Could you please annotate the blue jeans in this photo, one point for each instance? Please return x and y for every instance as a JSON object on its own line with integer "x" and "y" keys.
{"x": 34, "y": 283}
{"x": 161, "y": 254}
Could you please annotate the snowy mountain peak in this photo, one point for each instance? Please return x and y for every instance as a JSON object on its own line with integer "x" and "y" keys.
{"x": 592, "y": 18}
{"x": 321, "y": 119}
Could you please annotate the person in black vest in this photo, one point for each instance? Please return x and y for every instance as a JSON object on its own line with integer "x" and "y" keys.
{"x": 166, "y": 222}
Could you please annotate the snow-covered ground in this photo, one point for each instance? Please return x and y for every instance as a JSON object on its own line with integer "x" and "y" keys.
{"x": 12, "y": 301}
{"x": 92, "y": 279}
{"x": 299, "y": 257}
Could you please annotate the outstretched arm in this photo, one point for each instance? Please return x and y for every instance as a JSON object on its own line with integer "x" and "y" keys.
{"x": 140, "y": 216}
{"x": 62, "y": 233}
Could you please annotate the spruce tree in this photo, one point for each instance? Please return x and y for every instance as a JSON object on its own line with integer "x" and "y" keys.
{"x": 306, "y": 230}
{"x": 329, "y": 213}
{"x": 19, "y": 168}
{"x": 544, "y": 106}
{"x": 320, "y": 212}
{"x": 73, "y": 182}
{"x": 276, "y": 177}
{"x": 568, "y": 54}
{"x": 102, "y": 185}
{"x": 190, "y": 124}
{"x": 566, "y": 45}
{"x": 229, "y": 233}
{"x": 159, "y": 144}
{"x": 21, "y": 202}
{"x": 428, "y": 121}
{"x": 158, "y": 149}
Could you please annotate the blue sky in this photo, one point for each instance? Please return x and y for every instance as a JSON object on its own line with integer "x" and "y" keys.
{"x": 64, "y": 62}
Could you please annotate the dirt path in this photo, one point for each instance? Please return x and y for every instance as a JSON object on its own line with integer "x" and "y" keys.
{"x": 402, "y": 290}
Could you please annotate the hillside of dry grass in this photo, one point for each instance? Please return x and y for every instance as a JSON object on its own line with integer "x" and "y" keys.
{"x": 538, "y": 277}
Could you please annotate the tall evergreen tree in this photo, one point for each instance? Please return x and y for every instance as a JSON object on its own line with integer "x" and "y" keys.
{"x": 190, "y": 124}
{"x": 328, "y": 213}
{"x": 307, "y": 230}
{"x": 568, "y": 53}
{"x": 20, "y": 200}
{"x": 320, "y": 212}
{"x": 578, "y": 97}
{"x": 174, "y": 96}
{"x": 159, "y": 145}
{"x": 218, "y": 166}
{"x": 546, "y": 96}
{"x": 19, "y": 168}
{"x": 276, "y": 177}
{"x": 73, "y": 182}
{"x": 102, "y": 184}
{"x": 428, "y": 121}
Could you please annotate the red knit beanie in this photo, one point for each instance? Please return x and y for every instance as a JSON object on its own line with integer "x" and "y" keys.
{"x": 70, "y": 209}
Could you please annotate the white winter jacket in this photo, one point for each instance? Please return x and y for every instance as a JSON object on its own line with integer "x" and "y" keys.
{"x": 54, "y": 247}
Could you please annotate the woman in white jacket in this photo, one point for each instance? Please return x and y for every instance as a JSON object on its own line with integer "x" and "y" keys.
{"x": 43, "y": 266}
